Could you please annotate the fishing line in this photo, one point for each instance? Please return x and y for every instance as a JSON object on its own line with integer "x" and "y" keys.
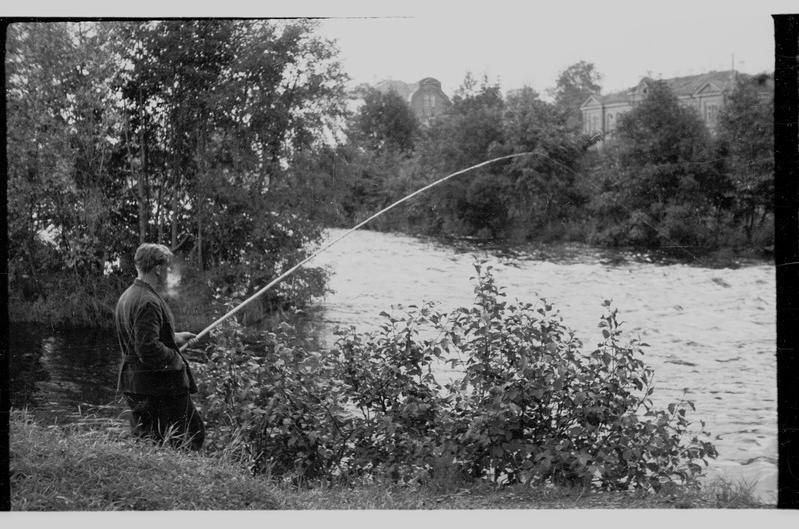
{"x": 354, "y": 228}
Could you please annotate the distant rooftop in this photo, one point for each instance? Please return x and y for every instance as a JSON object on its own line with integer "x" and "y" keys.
{"x": 680, "y": 86}
{"x": 683, "y": 86}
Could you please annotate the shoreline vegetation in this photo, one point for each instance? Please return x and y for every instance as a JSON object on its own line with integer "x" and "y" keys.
{"x": 75, "y": 302}
{"x": 103, "y": 469}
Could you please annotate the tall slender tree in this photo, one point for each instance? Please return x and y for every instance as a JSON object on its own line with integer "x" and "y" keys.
{"x": 746, "y": 141}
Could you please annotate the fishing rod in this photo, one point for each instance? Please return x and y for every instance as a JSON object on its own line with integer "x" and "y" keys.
{"x": 334, "y": 241}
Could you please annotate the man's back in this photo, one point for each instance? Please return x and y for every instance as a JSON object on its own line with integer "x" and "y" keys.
{"x": 151, "y": 364}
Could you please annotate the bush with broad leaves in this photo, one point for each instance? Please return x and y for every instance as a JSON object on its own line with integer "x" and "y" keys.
{"x": 526, "y": 404}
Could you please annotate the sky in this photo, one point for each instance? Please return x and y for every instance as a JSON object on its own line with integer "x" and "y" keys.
{"x": 515, "y": 43}
{"x": 530, "y": 45}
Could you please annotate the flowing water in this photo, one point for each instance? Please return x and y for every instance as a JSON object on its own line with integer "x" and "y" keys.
{"x": 711, "y": 330}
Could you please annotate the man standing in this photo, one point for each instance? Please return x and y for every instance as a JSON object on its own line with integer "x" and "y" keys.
{"x": 154, "y": 376}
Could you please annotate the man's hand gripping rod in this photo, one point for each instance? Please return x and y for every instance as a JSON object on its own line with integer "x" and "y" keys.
{"x": 331, "y": 243}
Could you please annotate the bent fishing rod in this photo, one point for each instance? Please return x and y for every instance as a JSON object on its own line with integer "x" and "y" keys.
{"x": 334, "y": 241}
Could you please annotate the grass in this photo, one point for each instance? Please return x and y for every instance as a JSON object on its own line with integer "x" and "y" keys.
{"x": 86, "y": 468}
{"x": 69, "y": 468}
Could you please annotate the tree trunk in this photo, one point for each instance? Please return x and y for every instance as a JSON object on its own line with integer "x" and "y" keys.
{"x": 199, "y": 186}
{"x": 175, "y": 214}
{"x": 200, "y": 233}
{"x": 142, "y": 210}
{"x": 159, "y": 216}
{"x": 139, "y": 190}
{"x": 141, "y": 183}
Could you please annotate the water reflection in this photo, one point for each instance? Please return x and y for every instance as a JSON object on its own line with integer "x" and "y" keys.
{"x": 57, "y": 371}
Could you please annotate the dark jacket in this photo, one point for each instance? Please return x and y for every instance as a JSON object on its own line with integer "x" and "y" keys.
{"x": 151, "y": 361}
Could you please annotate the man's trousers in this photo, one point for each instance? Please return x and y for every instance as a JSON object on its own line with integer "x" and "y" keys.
{"x": 170, "y": 418}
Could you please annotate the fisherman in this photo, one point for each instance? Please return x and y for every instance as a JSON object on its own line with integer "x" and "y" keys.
{"x": 154, "y": 376}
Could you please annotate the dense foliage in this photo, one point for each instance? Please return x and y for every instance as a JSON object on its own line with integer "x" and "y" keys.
{"x": 662, "y": 179}
{"x": 385, "y": 122}
{"x": 746, "y": 139}
{"x": 525, "y": 403}
{"x": 179, "y": 132}
{"x": 230, "y": 141}
{"x": 663, "y": 174}
{"x": 527, "y": 195}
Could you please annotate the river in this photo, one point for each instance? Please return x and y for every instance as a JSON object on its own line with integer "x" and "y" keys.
{"x": 711, "y": 330}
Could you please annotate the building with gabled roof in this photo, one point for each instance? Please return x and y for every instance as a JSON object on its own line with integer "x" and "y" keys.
{"x": 706, "y": 93}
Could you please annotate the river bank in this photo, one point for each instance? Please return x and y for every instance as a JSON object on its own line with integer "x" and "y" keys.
{"x": 81, "y": 468}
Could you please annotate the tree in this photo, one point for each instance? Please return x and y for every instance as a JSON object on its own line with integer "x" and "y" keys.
{"x": 474, "y": 124}
{"x": 62, "y": 133}
{"x": 39, "y": 154}
{"x": 126, "y": 131}
{"x": 544, "y": 185}
{"x": 746, "y": 141}
{"x": 170, "y": 92}
{"x": 662, "y": 172}
{"x": 218, "y": 105}
{"x": 470, "y": 132}
{"x": 574, "y": 85}
{"x": 385, "y": 122}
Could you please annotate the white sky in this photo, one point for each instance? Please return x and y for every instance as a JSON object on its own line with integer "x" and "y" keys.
{"x": 531, "y": 45}
{"x": 517, "y": 43}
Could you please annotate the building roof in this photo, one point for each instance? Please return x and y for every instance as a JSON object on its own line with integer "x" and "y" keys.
{"x": 685, "y": 86}
{"x": 617, "y": 97}
{"x": 680, "y": 86}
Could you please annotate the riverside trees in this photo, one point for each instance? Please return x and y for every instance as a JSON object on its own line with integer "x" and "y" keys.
{"x": 492, "y": 201}
{"x": 175, "y": 131}
{"x": 662, "y": 171}
{"x": 662, "y": 180}
{"x": 746, "y": 139}
{"x": 207, "y": 135}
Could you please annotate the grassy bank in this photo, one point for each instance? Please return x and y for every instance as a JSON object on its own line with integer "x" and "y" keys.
{"x": 77, "y": 468}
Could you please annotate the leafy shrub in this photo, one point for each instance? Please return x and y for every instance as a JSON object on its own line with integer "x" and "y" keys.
{"x": 684, "y": 224}
{"x": 276, "y": 405}
{"x": 528, "y": 405}
{"x": 401, "y": 417}
{"x": 538, "y": 409}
